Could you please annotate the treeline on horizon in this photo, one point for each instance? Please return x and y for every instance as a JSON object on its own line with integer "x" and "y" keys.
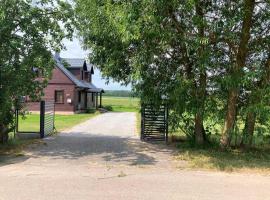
{"x": 119, "y": 93}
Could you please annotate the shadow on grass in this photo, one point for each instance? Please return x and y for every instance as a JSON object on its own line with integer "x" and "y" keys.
{"x": 229, "y": 160}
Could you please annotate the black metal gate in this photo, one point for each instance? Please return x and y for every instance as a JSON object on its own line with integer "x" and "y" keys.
{"x": 154, "y": 123}
{"x": 45, "y": 124}
{"x": 47, "y": 115}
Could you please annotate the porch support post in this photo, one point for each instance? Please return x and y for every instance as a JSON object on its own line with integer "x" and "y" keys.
{"x": 100, "y": 100}
{"x": 96, "y": 94}
{"x": 85, "y": 100}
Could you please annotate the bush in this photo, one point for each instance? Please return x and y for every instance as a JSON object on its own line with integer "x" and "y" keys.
{"x": 90, "y": 110}
{"x": 109, "y": 108}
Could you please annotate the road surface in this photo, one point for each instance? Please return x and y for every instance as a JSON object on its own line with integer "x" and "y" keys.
{"x": 103, "y": 158}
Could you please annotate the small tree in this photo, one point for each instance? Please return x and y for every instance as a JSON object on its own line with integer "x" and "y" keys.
{"x": 29, "y": 32}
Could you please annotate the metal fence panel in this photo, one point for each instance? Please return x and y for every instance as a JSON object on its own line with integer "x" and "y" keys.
{"x": 154, "y": 123}
{"x": 47, "y": 116}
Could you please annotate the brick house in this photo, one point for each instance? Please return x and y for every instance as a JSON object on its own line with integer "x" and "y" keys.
{"x": 71, "y": 87}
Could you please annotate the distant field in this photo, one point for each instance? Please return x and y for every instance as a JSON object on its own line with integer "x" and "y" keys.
{"x": 121, "y": 104}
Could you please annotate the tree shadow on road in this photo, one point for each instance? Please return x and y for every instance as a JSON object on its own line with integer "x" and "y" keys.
{"x": 113, "y": 149}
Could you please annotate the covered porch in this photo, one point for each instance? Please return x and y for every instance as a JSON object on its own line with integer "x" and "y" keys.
{"x": 96, "y": 97}
{"x": 88, "y": 99}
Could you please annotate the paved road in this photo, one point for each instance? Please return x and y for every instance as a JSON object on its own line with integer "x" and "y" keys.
{"x": 104, "y": 159}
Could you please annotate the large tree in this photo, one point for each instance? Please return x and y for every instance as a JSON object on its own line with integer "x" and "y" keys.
{"x": 161, "y": 46}
{"x": 29, "y": 32}
{"x": 239, "y": 53}
{"x": 194, "y": 52}
{"x": 246, "y": 35}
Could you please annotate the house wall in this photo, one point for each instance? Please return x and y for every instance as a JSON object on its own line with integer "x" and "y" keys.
{"x": 75, "y": 72}
{"x": 59, "y": 81}
{"x": 68, "y": 94}
{"x": 86, "y": 76}
{"x": 78, "y": 74}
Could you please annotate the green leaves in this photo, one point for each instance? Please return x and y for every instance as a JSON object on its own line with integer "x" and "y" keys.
{"x": 185, "y": 50}
{"x": 29, "y": 33}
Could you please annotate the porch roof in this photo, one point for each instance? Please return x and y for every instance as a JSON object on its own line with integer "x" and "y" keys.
{"x": 93, "y": 88}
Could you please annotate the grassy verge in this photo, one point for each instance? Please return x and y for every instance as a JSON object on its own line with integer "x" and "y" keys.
{"x": 14, "y": 147}
{"x": 233, "y": 160}
{"x": 121, "y": 104}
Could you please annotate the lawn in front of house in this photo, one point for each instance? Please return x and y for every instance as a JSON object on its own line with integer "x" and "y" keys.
{"x": 121, "y": 104}
{"x": 31, "y": 121}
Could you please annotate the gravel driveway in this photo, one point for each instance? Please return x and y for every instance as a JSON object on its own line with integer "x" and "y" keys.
{"x": 103, "y": 158}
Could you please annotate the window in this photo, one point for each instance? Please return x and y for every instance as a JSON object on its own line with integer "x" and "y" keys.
{"x": 59, "y": 96}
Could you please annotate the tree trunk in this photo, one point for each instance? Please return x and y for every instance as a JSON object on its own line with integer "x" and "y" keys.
{"x": 3, "y": 133}
{"x": 199, "y": 130}
{"x": 236, "y": 69}
{"x": 230, "y": 118}
{"x": 200, "y": 137}
{"x": 201, "y": 88}
{"x": 249, "y": 129}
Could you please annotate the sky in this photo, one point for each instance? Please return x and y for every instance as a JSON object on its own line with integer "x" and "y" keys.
{"x": 74, "y": 50}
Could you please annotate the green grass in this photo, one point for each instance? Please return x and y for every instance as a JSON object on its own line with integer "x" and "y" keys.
{"x": 121, "y": 104}
{"x": 62, "y": 122}
{"x": 232, "y": 160}
{"x": 30, "y": 123}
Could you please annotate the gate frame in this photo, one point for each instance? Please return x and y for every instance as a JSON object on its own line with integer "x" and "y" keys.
{"x": 165, "y": 121}
{"x": 42, "y": 114}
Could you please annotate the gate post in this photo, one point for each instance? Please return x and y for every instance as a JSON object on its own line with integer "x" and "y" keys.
{"x": 142, "y": 120}
{"x": 167, "y": 123}
{"x": 42, "y": 116}
{"x": 17, "y": 120}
